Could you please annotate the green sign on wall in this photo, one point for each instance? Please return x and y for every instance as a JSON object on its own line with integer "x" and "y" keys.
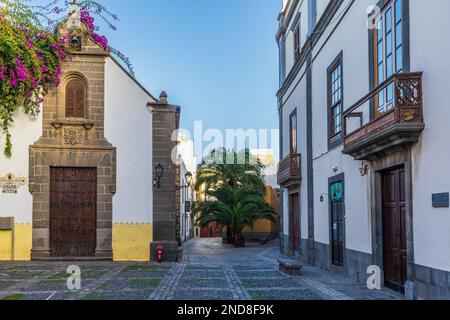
{"x": 337, "y": 191}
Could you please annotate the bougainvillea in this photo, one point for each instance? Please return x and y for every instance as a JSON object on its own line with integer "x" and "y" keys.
{"x": 88, "y": 20}
{"x": 31, "y": 52}
{"x": 29, "y": 64}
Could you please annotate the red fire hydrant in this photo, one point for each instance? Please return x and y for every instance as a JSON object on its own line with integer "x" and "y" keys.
{"x": 159, "y": 253}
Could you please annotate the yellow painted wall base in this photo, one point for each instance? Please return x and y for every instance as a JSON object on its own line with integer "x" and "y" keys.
{"x": 5, "y": 245}
{"x": 22, "y": 243}
{"x": 131, "y": 242}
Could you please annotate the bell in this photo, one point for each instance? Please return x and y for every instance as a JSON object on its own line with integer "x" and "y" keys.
{"x": 75, "y": 40}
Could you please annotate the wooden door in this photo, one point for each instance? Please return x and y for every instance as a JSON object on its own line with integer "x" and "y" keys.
{"x": 73, "y": 212}
{"x": 337, "y": 223}
{"x": 394, "y": 229}
{"x": 294, "y": 222}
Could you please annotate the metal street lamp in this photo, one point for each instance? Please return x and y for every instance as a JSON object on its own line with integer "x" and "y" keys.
{"x": 188, "y": 178}
{"x": 159, "y": 172}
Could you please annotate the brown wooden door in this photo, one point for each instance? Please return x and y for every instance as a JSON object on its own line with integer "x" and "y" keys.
{"x": 73, "y": 212}
{"x": 294, "y": 223}
{"x": 394, "y": 229}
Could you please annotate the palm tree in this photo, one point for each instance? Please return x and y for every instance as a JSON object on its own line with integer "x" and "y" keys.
{"x": 230, "y": 168}
{"x": 235, "y": 208}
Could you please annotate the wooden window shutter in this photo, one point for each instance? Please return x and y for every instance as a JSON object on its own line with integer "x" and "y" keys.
{"x": 75, "y": 99}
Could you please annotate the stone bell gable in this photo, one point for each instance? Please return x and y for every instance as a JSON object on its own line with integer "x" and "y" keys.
{"x": 73, "y": 137}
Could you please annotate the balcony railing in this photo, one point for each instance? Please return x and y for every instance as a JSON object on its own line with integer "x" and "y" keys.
{"x": 398, "y": 120}
{"x": 290, "y": 169}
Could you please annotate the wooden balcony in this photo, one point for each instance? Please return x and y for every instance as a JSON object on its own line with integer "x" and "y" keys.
{"x": 369, "y": 136}
{"x": 289, "y": 171}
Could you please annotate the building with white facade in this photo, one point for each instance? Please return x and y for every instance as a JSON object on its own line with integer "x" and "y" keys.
{"x": 80, "y": 182}
{"x": 363, "y": 116}
{"x": 187, "y": 194}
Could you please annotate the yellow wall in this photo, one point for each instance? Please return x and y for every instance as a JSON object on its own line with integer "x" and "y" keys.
{"x": 265, "y": 226}
{"x": 5, "y": 245}
{"x": 131, "y": 242}
{"x": 22, "y": 243}
{"x": 23, "y": 239}
{"x": 261, "y": 226}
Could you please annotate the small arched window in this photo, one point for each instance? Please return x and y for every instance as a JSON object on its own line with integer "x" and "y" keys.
{"x": 75, "y": 99}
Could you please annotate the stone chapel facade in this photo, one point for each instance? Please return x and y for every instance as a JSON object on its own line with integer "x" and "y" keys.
{"x": 86, "y": 163}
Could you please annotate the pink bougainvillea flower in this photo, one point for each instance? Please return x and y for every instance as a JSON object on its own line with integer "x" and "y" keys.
{"x": 2, "y": 73}
{"x": 26, "y": 30}
{"x": 13, "y": 82}
{"x": 34, "y": 83}
{"x": 87, "y": 19}
{"x": 29, "y": 43}
{"x": 64, "y": 39}
{"x": 101, "y": 40}
{"x": 21, "y": 70}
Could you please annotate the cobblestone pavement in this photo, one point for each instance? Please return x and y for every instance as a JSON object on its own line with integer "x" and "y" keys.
{"x": 99, "y": 280}
{"x": 208, "y": 270}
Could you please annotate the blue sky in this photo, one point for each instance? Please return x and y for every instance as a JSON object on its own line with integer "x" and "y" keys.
{"x": 216, "y": 58}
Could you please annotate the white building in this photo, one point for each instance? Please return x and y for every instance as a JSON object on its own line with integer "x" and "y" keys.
{"x": 363, "y": 139}
{"x": 270, "y": 161}
{"x": 186, "y": 180}
{"x": 80, "y": 180}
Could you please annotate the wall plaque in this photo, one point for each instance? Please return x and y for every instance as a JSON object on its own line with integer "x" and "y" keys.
{"x": 441, "y": 200}
{"x": 11, "y": 184}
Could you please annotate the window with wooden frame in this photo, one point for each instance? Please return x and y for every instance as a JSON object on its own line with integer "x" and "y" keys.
{"x": 335, "y": 102}
{"x": 75, "y": 93}
{"x": 297, "y": 41}
{"x": 388, "y": 52}
{"x": 293, "y": 132}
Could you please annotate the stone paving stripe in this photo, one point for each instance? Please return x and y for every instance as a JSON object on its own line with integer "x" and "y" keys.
{"x": 169, "y": 283}
{"x": 235, "y": 284}
{"x": 318, "y": 287}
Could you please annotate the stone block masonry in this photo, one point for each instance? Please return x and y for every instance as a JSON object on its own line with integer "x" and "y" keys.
{"x": 74, "y": 142}
{"x": 166, "y": 119}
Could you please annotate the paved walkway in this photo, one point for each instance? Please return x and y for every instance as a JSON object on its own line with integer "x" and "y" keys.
{"x": 214, "y": 270}
{"x": 208, "y": 270}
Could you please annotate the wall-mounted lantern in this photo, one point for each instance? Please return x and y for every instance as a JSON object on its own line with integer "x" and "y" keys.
{"x": 323, "y": 196}
{"x": 188, "y": 179}
{"x": 159, "y": 172}
{"x": 364, "y": 169}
